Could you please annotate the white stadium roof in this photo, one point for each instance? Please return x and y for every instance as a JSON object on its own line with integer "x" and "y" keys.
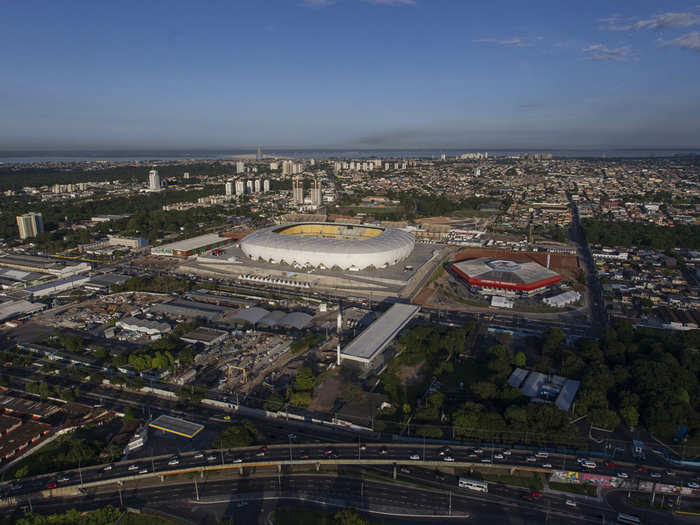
{"x": 387, "y": 248}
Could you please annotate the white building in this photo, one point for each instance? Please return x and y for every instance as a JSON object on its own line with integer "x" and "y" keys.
{"x": 240, "y": 187}
{"x": 563, "y": 299}
{"x": 229, "y": 188}
{"x": 266, "y": 185}
{"x": 154, "y": 180}
{"x": 240, "y": 167}
{"x": 249, "y": 186}
{"x": 258, "y": 186}
{"x": 30, "y": 224}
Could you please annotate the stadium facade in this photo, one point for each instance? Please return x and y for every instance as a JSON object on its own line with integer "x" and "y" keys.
{"x": 498, "y": 276}
{"x": 329, "y": 245}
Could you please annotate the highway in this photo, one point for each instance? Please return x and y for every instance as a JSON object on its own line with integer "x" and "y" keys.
{"x": 403, "y": 455}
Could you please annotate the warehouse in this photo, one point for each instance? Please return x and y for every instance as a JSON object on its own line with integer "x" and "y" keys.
{"x": 193, "y": 246}
{"x": 504, "y": 276}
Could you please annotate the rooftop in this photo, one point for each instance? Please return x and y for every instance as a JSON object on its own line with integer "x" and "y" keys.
{"x": 381, "y": 332}
{"x": 176, "y": 426}
{"x": 193, "y": 242}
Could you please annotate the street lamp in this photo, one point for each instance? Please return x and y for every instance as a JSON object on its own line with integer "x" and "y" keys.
{"x": 290, "y": 447}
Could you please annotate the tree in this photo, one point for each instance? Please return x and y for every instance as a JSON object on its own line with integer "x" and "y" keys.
{"x": 129, "y": 414}
{"x": 349, "y": 517}
{"x": 304, "y": 380}
{"x": 520, "y": 360}
{"x": 604, "y": 418}
{"x": 485, "y": 389}
{"x": 630, "y": 416}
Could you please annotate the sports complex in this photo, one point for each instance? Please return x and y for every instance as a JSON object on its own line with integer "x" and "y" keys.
{"x": 487, "y": 276}
{"x": 329, "y": 245}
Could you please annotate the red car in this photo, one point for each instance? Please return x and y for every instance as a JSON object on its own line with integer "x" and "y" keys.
{"x": 536, "y": 494}
{"x": 610, "y": 464}
{"x": 51, "y": 485}
{"x": 642, "y": 469}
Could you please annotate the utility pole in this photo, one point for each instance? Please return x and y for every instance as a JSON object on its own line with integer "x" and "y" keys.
{"x": 450, "y": 502}
{"x": 196, "y": 489}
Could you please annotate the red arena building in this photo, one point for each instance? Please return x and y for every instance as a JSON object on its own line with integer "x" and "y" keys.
{"x": 499, "y": 277}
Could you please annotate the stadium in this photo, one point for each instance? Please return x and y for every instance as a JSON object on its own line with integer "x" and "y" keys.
{"x": 488, "y": 276}
{"x": 329, "y": 245}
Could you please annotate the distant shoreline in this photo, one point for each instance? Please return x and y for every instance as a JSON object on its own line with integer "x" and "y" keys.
{"x": 14, "y": 157}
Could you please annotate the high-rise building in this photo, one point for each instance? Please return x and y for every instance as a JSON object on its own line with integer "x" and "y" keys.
{"x": 240, "y": 187}
{"x": 229, "y": 188}
{"x": 316, "y": 193}
{"x": 258, "y": 186}
{"x": 30, "y": 224}
{"x": 297, "y": 190}
{"x": 186, "y": 175}
{"x": 259, "y": 154}
{"x": 240, "y": 167}
{"x": 249, "y": 186}
{"x": 266, "y": 185}
{"x": 274, "y": 166}
{"x": 153, "y": 180}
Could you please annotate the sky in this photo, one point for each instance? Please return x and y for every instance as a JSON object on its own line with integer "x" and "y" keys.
{"x": 349, "y": 73}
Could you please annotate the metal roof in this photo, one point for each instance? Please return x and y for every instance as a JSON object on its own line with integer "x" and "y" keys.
{"x": 250, "y": 315}
{"x": 380, "y": 333}
{"x": 296, "y": 320}
{"x": 533, "y": 383}
{"x": 272, "y": 318}
{"x": 176, "y": 426}
{"x": 503, "y": 270}
{"x": 517, "y": 377}
{"x": 193, "y": 242}
{"x": 567, "y": 394}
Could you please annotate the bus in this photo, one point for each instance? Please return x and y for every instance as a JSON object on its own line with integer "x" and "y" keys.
{"x": 628, "y": 519}
{"x": 473, "y": 484}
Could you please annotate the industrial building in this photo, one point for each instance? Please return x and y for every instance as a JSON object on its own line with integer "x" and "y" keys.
{"x": 145, "y": 326}
{"x": 329, "y": 245}
{"x": 35, "y": 263}
{"x": 192, "y": 246}
{"x": 367, "y": 349}
{"x": 498, "y": 276}
{"x": 190, "y": 310}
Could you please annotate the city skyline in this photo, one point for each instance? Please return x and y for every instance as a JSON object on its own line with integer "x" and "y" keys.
{"x": 351, "y": 74}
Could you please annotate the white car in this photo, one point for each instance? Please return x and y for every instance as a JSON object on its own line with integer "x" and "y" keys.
{"x": 143, "y": 471}
{"x": 108, "y": 468}
{"x": 570, "y": 503}
{"x": 622, "y": 475}
{"x": 448, "y": 458}
{"x": 693, "y": 485}
{"x": 498, "y": 456}
{"x": 581, "y": 460}
{"x": 507, "y": 452}
{"x": 199, "y": 455}
{"x": 211, "y": 457}
{"x": 655, "y": 475}
{"x": 133, "y": 467}
{"x": 546, "y": 465}
{"x": 238, "y": 460}
{"x": 486, "y": 460}
{"x": 173, "y": 462}
{"x": 542, "y": 455}
{"x": 531, "y": 459}
{"x": 589, "y": 464}
{"x": 63, "y": 478}
{"x": 414, "y": 457}
{"x": 478, "y": 451}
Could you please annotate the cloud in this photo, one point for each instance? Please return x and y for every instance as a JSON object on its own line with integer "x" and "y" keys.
{"x": 505, "y": 42}
{"x": 690, "y": 41}
{"x": 661, "y": 21}
{"x": 603, "y": 52}
{"x": 392, "y": 3}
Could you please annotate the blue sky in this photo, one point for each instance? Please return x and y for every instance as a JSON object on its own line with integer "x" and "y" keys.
{"x": 350, "y": 73}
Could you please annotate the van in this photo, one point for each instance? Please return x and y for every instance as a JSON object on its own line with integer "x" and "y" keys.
{"x": 588, "y": 464}
{"x": 542, "y": 455}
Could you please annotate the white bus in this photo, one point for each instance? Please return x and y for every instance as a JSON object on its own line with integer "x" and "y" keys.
{"x": 628, "y": 519}
{"x": 473, "y": 484}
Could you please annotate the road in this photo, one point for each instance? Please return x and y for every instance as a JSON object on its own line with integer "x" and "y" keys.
{"x": 358, "y": 453}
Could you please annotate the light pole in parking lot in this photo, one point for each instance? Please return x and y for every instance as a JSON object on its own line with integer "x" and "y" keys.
{"x": 290, "y": 447}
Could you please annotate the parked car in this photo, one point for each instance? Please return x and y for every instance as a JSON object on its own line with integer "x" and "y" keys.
{"x": 622, "y": 475}
{"x": 531, "y": 459}
{"x": 589, "y": 464}
{"x": 693, "y": 485}
{"x": 108, "y": 467}
{"x": 570, "y": 503}
{"x": 498, "y": 456}
{"x": 448, "y": 458}
{"x": 135, "y": 466}
{"x": 63, "y": 478}
{"x": 199, "y": 455}
{"x": 174, "y": 461}
{"x": 414, "y": 457}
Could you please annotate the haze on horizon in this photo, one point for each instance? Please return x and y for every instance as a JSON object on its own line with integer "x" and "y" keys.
{"x": 350, "y": 74}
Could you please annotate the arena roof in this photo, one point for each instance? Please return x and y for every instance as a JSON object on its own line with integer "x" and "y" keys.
{"x": 329, "y": 244}
{"x": 505, "y": 273}
{"x": 272, "y": 318}
{"x": 176, "y": 426}
{"x": 377, "y": 336}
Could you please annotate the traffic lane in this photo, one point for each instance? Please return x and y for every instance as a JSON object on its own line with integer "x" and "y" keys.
{"x": 354, "y": 492}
